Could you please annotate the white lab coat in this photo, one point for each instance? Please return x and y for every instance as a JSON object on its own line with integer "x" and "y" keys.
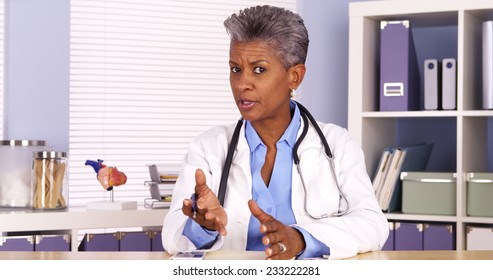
{"x": 364, "y": 228}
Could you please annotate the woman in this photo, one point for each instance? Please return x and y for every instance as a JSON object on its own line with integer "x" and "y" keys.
{"x": 269, "y": 205}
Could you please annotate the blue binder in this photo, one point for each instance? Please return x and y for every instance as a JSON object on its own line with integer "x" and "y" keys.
{"x": 389, "y": 244}
{"x": 408, "y": 236}
{"x": 17, "y": 243}
{"x": 100, "y": 242}
{"x": 55, "y": 242}
{"x": 156, "y": 241}
{"x": 135, "y": 241}
{"x": 438, "y": 237}
{"x": 399, "y": 72}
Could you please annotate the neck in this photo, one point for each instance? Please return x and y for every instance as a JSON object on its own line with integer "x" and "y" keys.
{"x": 270, "y": 131}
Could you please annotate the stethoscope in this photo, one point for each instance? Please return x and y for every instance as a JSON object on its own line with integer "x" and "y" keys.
{"x": 305, "y": 115}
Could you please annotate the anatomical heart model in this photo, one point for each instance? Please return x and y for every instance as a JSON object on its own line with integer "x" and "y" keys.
{"x": 108, "y": 177}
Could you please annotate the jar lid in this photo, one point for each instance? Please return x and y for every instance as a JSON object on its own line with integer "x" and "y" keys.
{"x": 23, "y": 143}
{"x": 49, "y": 154}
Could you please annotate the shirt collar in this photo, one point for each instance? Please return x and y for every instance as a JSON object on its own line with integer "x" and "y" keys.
{"x": 289, "y": 134}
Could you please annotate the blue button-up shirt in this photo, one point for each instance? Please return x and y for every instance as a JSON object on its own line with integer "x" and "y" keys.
{"x": 274, "y": 199}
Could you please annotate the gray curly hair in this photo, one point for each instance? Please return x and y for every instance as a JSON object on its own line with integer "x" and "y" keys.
{"x": 282, "y": 29}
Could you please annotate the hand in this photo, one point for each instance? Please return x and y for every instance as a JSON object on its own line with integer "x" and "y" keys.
{"x": 210, "y": 214}
{"x": 275, "y": 232}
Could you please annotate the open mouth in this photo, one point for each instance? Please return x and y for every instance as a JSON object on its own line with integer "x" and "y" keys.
{"x": 245, "y": 104}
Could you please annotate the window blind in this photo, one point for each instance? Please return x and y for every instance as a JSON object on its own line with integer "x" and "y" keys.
{"x": 146, "y": 77}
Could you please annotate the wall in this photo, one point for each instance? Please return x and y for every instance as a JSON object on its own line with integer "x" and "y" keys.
{"x": 325, "y": 88}
{"x": 37, "y": 69}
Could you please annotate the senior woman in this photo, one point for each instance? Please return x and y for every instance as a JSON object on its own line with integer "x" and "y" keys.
{"x": 270, "y": 205}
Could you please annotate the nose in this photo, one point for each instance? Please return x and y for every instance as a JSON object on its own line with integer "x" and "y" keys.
{"x": 242, "y": 81}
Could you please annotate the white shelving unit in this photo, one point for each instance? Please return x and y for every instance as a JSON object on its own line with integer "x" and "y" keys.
{"x": 376, "y": 130}
{"x": 75, "y": 220}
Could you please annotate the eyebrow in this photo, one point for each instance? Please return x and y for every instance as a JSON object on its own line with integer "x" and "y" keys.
{"x": 253, "y": 62}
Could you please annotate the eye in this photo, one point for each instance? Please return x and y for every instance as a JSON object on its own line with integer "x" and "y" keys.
{"x": 235, "y": 69}
{"x": 259, "y": 70}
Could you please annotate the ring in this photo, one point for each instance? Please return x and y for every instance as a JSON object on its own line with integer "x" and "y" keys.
{"x": 282, "y": 247}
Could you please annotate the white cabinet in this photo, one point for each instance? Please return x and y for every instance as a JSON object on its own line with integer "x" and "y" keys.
{"x": 75, "y": 220}
{"x": 460, "y": 136}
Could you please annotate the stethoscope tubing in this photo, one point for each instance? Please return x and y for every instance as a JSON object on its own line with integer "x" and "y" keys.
{"x": 305, "y": 114}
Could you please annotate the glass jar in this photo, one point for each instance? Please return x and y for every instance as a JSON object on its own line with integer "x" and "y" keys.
{"x": 49, "y": 182}
{"x": 15, "y": 171}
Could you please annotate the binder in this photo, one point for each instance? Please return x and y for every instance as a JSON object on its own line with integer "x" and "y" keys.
{"x": 156, "y": 241}
{"x": 399, "y": 72}
{"x": 487, "y": 65}
{"x": 17, "y": 243}
{"x": 438, "y": 237}
{"x": 100, "y": 242}
{"x": 479, "y": 237}
{"x": 389, "y": 243}
{"x": 432, "y": 84}
{"x": 50, "y": 243}
{"x": 411, "y": 158}
{"x": 449, "y": 84}
{"x": 382, "y": 169}
{"x": 390, "y": 180}
{"x": 139, "y": 241}
{"x": 408, "y": 236}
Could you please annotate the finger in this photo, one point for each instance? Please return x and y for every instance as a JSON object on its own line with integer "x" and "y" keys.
{"x": 273, "y": 251}
{"x": 258, "y": 213}
{"x": 220, "y": 227}
{"x": 271, "y": 238}
{"x": 187, "y": 207}
{"x": 213, "y": 222}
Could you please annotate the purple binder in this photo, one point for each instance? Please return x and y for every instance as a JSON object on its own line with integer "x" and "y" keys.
{"x": 438, "y": 237}
{"x": 399, "y": 72}
{"x": 156, "y": 241}
{"x": 52, "y": 242}
{"x": 135, "y": 241}
{"x": 408, "y": 236}
{"x": 389, "y": 244}
{"x": 100, "y": 242}
{"x": 17, "y": 243}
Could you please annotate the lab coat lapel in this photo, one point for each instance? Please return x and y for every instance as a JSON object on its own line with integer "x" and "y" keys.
{"x": 238, "y": 193}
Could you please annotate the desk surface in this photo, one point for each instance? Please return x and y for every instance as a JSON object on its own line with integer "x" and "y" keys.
{"x": 425, "y": 255}
{"x": 247, "y": 255}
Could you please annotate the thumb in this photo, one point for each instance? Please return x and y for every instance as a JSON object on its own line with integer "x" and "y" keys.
{"x": 258, "y": 212}
{"x": 200, "y": 181}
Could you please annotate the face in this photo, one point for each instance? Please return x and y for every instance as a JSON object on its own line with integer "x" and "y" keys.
{"x": 260, "y": 83}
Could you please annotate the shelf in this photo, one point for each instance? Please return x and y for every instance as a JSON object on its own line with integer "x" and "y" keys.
{"x": 424, "y": 218}
{"x": 78, "y": 219}
{"x": 75, "y": 219}
{"x": 462, "y": 138}
{"x": 410, "y": 114}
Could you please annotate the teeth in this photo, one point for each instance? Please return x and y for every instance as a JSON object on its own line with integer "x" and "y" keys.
{"x": 246, "y": 102}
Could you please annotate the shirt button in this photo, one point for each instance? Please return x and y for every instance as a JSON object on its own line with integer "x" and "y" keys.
{"x": 269, "y": 210}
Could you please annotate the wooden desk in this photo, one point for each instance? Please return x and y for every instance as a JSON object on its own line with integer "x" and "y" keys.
{"x": 247, "y": 255}
{"x": 425, "y": 255}
{"x": 217, "y": 255}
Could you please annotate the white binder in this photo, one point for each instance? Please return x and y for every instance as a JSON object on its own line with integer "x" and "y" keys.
{"x": 479, "y": 238}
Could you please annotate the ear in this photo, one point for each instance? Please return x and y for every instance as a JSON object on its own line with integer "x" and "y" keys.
{"x": 296, "y": 75}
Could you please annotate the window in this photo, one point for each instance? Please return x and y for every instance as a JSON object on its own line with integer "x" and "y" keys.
{"x": 147, "y": 76}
